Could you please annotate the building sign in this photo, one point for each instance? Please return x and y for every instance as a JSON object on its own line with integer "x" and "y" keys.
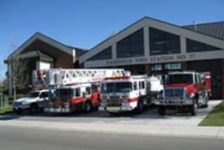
{"x": 127, "y": 61}
{"x": 152, "y": 59}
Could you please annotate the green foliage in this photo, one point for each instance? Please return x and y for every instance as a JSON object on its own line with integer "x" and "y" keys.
{"x": 215, "y": 118}
{"x": 7, "y": 109}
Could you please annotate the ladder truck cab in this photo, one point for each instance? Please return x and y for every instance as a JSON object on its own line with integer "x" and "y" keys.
{"x": 76, "y": 89}
{"x": 127, "y": 93}
{"x": 186, "y": 90}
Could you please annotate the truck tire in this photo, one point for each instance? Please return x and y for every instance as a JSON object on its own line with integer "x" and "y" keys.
{"x": 19, "y": 111}
{"x": 33, "y": 108}
{"x": 206, "y": 101}
{"x": 193, "y": 109}
{"x": 88, "y": 106}
{"x": 161, "y": 110}
{"x": 140, "y": 107}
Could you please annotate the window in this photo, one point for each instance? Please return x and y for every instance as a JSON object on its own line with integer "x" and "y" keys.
{"x": 156, "y": 67}
{"x": 44, "y": 95}
{"x": 88, "y": 91}
{"x": 173, "y": 66}
{"x": 95, "y": 87}
{"x": 116, "y": 87}
{"x": 162, "y": 42}
{"x": 141, "y": 85}
{"x": 77, "y": 92}
{"x": 168, "y": 67}
{"x": 195, "y": 46}
{"x": 105, "y": 54}
{"x": 131, "y": 46}
{"x": 64, "y": 92}
{"x": 180, "y": 78}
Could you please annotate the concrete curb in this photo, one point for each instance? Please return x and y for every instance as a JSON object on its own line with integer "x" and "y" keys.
{"x": 197, "y": 132}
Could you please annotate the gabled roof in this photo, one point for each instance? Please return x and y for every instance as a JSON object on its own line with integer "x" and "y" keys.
{"x": 215, "y": 29}
{"x": 39, "y": 36}
{"x": 149, "y": 21}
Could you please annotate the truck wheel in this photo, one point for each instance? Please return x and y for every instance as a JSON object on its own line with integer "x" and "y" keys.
{"x": 193, "y": 109}
{"x": 206, "y": 101}
{"x": 33, "y": 108}
{"x": 88, "y": 107}
{"x": 162, "y": 111}
{"x": 140, "y": 107}
{"x": 19, "y": 111}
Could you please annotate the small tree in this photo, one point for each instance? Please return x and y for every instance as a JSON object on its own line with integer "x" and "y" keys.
{"x": 3, "y": 85}
{"x": 18, "y": 74}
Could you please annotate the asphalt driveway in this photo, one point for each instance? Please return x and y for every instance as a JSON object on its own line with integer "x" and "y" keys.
{"x": 149, "y": 117}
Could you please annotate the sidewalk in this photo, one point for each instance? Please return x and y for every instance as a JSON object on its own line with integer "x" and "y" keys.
{"x": 148, "y": 123}
{"x": 201, "y": 132}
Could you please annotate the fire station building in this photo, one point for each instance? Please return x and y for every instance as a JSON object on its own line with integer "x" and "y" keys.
{"x": 152, "y": 46}
{"x": 39, "y": 52}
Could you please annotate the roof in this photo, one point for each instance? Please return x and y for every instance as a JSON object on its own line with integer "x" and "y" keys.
{"x": 49, "y": 40}
{"x": 215, "y": 29}
{"x": 215, "y": 34}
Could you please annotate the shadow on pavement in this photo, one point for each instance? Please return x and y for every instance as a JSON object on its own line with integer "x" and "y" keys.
{"x": 149, "y": 113}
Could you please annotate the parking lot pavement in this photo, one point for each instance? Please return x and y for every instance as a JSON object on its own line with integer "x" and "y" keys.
{"x": 149, "y": 117}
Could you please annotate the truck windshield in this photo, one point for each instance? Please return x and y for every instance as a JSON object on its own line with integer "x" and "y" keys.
{"x": 33, "y": 94}
{"x": 64, "y": 93}
{"x": 117, "y": 87}
{"x": 180, "y": 78}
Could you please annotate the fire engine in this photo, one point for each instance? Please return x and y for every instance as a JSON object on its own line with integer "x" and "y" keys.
{"x": 76, "y": 89}
{"x": 128, "y": 93}
{"x": 187, "y": 90}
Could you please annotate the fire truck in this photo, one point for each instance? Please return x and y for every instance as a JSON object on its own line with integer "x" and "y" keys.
{"x": 76, "y": 89}
{"x": 128, "y": 93}
{"x": 187, "y": 90}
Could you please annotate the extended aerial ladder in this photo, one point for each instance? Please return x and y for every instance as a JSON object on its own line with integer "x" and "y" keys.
{"x": 61, "y": 77}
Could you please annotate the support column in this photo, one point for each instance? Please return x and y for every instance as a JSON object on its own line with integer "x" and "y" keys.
{"x": 147, "y": 69}
{"x": 114, "y": 51}
{"x": 183, "y": 45}
{"x": 146, "y": 41}
{"x": 10, "y": 83}
{"x": 222, "y": 78}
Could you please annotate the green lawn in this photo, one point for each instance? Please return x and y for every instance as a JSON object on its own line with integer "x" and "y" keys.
{"x": 5, "y": 110}
{"x": 215, "y": 118}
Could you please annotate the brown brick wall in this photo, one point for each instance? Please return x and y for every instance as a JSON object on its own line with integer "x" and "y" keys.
{"x": 61, "y": 59}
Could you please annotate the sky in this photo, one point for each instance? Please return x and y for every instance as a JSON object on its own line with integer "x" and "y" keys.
{"x": 85, "y": 23}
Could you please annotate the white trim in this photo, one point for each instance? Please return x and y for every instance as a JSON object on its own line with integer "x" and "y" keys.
{"x": 146, "y": 23}
{"x": 74, "y": 55}
{"x": 218, "y": 54}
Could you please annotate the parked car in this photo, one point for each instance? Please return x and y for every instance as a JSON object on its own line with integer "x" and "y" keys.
{"x": 34, "y": 102}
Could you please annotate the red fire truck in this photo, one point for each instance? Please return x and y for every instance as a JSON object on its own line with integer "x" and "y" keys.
{"x": 185, "y": 90}
{"x": 76, "y": 89}
{"x": 128, "y": 93}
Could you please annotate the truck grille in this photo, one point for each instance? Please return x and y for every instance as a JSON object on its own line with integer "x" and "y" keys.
{"x": 114, "y": 101}
{"x": 174, "y": 92}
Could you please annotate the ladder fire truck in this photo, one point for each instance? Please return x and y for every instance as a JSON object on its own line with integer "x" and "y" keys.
{"x": 128, "y": 93}
{"x": 75, "y": 89}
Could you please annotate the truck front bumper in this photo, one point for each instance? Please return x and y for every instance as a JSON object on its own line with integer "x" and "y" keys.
{"x": 21, "y": 107}
{"x": 173, "y": 102}
{"x": 57, "y": 110}
{"x": 123, "y": 108}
